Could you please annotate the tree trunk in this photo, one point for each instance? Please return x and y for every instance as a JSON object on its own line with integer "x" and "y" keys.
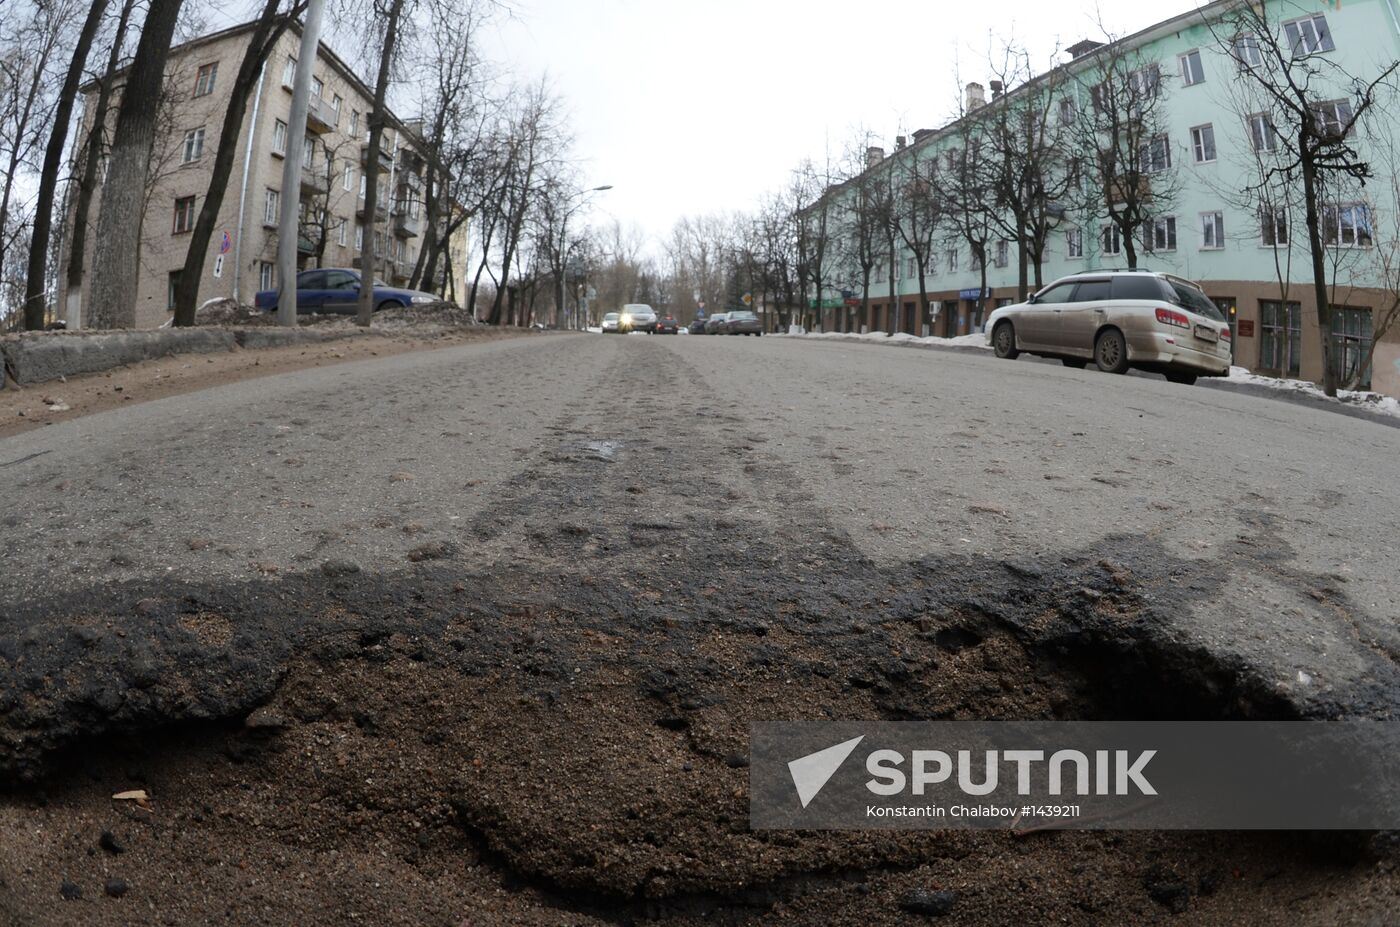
{"x": 35, "y": 278}
{"x": 369, "y": 259}
{"x": 116, "y": 266}
{"x": 1319, "y": 268}
{"x": 1022, "y": 269}
{"x": 77, "y": 237}
{"x": 422, "y": 270}
{"x": 265, "y": 35}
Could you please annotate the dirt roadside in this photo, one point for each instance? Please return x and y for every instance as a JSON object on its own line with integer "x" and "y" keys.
{"x": 26, "y": 408}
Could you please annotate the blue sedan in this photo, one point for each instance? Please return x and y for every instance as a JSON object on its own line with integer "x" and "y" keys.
{"x": 336, "y": 290}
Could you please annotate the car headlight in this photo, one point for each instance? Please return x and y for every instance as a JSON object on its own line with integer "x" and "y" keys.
{"x": 419, "y": 300}
{"x": 626, "y": 318}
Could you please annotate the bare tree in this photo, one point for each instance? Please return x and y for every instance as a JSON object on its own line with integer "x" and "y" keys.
{"x": 919, "y": 204}
{"x": 971, "y": 216}
{"x": 813, "y": 213}
{"x": 89, "y": 161}
{"x": 1308, "y": 110}
{"x": 36, "y": 289}
{"x": 268, "y": 29}
{"x": 116, "y": 263}
{"x": 1123, "y": 128}
{"x": 29, "y": 41}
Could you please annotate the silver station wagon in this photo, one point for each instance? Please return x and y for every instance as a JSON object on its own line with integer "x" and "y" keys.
{"x": 1118, "y": 319}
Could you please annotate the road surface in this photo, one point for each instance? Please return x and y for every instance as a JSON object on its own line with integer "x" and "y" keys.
{"x": 474, "y": 635}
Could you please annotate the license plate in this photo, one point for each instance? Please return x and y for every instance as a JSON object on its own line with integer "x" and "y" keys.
{"x": 1206, "y": 333}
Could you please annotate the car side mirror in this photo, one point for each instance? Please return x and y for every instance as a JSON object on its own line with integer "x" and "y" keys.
{"x": 1031, "y": 300}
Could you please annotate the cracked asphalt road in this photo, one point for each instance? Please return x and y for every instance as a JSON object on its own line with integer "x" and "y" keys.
{"x": 474, "y": 635}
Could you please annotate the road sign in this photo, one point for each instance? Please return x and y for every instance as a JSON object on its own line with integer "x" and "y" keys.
{"x": 748, "y": 299}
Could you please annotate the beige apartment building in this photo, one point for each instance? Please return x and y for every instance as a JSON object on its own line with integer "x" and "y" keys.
{"x": 242, "y": 259}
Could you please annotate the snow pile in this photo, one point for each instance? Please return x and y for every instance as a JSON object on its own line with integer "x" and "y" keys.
{"x": 1375, "y": 402}
{"x": 975, "y": 340}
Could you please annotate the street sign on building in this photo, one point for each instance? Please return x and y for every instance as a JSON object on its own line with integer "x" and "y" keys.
{"x": 974, "y": 293}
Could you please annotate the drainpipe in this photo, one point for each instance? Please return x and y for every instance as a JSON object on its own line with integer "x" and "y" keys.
{"x": 243, "y": 191}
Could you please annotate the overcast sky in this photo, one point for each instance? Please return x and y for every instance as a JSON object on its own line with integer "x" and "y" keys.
{"x": 692, "y": 107}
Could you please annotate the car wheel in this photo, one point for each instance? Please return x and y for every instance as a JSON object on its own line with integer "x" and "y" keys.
{"x": 1078, "y": 363}
{"x": 1004, "y": 341}
{"x": 1111, "y": 352}
{"x": 1186, "y": 379}
{"x": 388, "y": 304}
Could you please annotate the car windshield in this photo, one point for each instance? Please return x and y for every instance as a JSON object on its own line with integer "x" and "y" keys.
{"x": 1196, "y": 301}
{"x": 610, "y": 317}
{"x": 743, "y": 315}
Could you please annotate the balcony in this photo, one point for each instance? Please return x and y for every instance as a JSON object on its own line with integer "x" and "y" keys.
{"x": 305, "y": 245}
{"x": 381, "y": 212}
{"x": 313, "y": 183}
{"x": 320, "y": 116}
{"x": 386, "y": 159}
{"x": 406, "y": 226}
{"x": 412, "y": 180}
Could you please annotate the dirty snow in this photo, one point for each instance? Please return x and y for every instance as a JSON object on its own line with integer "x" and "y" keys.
{"x": 975, "y": 340}
{"x": 1375, "y": 402}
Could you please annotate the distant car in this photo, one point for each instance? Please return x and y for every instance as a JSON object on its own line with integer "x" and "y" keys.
{"x": 667, "y": 325}
{"x": 638, "y": 317}
{"x": 717, "y": 324}
{"x": 698, "y": 326}
{"x": 1119, "y": 319}
{"x": 336, "y": 290}
{"x": 743, "y": 322}
{"x": 611, "y": 323}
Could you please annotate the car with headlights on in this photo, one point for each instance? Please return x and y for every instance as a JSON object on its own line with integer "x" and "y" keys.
{"x": 638, "y": 317}
{"x": 718, "y": 324}
{"x": 336, "y": 291}
{"x": 1118, "y": 319}
{"x": 743, "y": 322}
{"x": 612, "y": 323}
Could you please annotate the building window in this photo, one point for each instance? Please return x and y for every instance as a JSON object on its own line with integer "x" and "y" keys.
{"x": 279, "y": 137}
{"x": 1347, "y": 225}
{"x": 1273, "y": 226}
{"x": 354, "y": 123}
{"x": 1146, "y": 82}
{"x": 204, "y": 79}
{"x": 975, "y": 259}
{"x": 911, "y": 268}
{"x": 1308, "y": 35}
{"x": 1334, "y": 117}
{"x": 171, "y": 285}
{"x": 1156, "y": 155}
{"x": 1111, "y": 240}
{"x": 340, "y": 233}
{"x": 1074, "y": 243}
{"x": 349, "y": 181}
{"x": 1001, "y": 257}
{"x": 1351, "y": 342}
{"x": 1160, "y": 234}
{"x": 952, "y": 256}
{"x": 1191, "y": 70}
{"x": 193, "y": 148}
{"x": 1212, "y": 230}
{"x": 308, "y": 153}
{"x": 362, "y": 186}
{"x": 267, "y": 275}
{"x": 1067, "y": 111}
{"x": 184, "y": 214}
{"x": 272, "y": 207}
{"x": 359, "y": 237}
{"x": 1245, "y": 50}
{"x": 1203, "y": 144}
{"x": 316, "y": 87}
{"x": 1280, "y": 337}
{"x": 1262, "y": 134}
{"x": 335, "y": 108}
{"x": 289, "y": 72}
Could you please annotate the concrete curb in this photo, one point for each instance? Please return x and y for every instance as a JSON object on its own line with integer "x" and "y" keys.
{"x": 39, "y": 357}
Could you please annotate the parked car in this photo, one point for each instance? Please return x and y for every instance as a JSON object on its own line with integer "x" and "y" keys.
{"x": 717, "y": 324}
{"x": 743, "y": 322}
{"x": 698, "y": 326}
{"x": 667, "y": 325}
{"x": 638, "y": 317}
{"x": 336, "y": 290}
{"x": 611, "y": 323}
{"x": 1118, "y": 319}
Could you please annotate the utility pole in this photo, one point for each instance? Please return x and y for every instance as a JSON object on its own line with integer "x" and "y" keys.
{"x": 287, "y": 229}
